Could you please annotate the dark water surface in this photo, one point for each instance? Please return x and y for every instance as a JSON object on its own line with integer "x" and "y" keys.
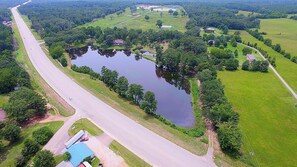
{"x": 172, "y": 92}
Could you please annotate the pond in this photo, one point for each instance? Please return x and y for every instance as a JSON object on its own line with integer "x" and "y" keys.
{"x": 172, "y": 92}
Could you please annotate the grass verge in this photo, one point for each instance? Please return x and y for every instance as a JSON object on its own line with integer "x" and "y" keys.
{"x": 84, "y": 124}
{"x": 130, "y": 158}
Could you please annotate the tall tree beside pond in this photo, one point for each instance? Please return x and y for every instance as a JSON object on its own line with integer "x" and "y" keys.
{"x": 149, "y": 103}
{"x": 135, "y": 92}
{"x": 122, "y": 86}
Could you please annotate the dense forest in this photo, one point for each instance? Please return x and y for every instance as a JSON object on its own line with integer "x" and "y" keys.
{"x": 210, "y": 15}
{"x": 51, "y": 17}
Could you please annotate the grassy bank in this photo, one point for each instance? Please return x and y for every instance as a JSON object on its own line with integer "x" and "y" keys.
{"x": 139, "y": 22}
{"x": 285, "y": 67}
{"x": 3, "y": 100}
{"x": 130, "y": 158}
{"x": 84, "y": 124}
{"x": 268, "y": 116}
{"x": 9, "y": 154}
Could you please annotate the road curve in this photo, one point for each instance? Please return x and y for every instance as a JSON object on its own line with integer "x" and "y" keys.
{"x": 149, "y": 146}
{"x": 276, "y": 73}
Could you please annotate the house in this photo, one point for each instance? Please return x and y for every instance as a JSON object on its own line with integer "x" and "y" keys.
{"x": 118, "y": 42}
{"x": 250, "y": 57}
{"x": 209, "y": 30}
{"x": 78, "y": 153}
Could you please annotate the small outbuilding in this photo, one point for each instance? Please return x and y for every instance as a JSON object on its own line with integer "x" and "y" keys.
{"x": 250, "y": 57}
{"x": 209, "y": 30}
{"x": 118, "y": 42}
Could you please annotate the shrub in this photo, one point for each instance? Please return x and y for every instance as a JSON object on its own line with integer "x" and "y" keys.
{"x": 44, "y": 158}
{"x": 11, "y": 132}
{"x": 31, "y": 147}
{"x": 42, "y": 135}
{"x": 21, "y": 161}
{"x": 66, "y": 156}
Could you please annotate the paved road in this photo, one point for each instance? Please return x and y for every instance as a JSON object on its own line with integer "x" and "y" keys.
{"x": 143, "y": 142}
{"x": 276, "y": 73}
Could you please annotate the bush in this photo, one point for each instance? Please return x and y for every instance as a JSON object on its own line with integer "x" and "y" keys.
{"x": 44, "y": 158}
{"x": 11, "y": 133}
{"x": 21, "y": 161}
{"x": 63, "y": 61}
{"x": 230, "y": 137}
{"x": 66, "y": 156}
{"x": 31, "y": 147}
{"x": 42, "y": 135}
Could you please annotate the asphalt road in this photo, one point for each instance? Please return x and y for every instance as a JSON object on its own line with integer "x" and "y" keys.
{"x": 149, "y": 146}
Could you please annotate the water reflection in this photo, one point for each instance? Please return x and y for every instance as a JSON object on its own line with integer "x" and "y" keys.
{"x": 172, "y": 92}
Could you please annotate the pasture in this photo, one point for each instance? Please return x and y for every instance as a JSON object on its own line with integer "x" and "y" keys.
{"x": 138, "y": 21}
{"x": 282, "y": 31}
{"x": 285, "y": 67}
{"x": 241, "y": 58}
{"x": 268, "y": 116}
{"x": 247, "y": 13}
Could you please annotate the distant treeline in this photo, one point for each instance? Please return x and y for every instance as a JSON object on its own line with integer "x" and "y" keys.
{"x": 51, "y": 17}
{"x": 210, "y": 15}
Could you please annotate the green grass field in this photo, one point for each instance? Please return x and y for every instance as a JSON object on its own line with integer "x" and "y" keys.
{"x": 3, "y": 100}
{"x": 84, "y": 124}
{"x": 138, "y": 22}
{"x": 8, "y": 155}
{"x": 268, "y": 116}
{"x": 285, "y": 67}
{"x": 130, "y": 158}
{"x": 246, "y": 13}
{"x": 282, "y": 31}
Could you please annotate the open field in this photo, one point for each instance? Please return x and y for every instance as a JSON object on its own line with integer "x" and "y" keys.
{"x": 282, "y": 31}
{"x": 8, "y": 155}
{"x": 241, "y": 58}
{"x": 84, "y": 124}
{"x": 247, "y": 13}
{"x": 268, "y": 116}
{"x": 285, "y": 67}
{"x": 138, "y": 22}
{"x": 130, "y": 158}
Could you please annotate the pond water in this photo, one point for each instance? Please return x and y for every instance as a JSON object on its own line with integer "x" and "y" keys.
{"x": 172, "y": 92}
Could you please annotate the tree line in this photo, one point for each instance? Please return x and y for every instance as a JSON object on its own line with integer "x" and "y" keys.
{"x": 268, "y": 42}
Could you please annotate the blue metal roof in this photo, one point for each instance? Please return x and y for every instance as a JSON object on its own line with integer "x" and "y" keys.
{"x": 78, "y": 153}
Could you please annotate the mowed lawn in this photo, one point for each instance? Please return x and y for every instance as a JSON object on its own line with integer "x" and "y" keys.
{"x": 268, "y": 116}
{"x": 282, "y": 31}
{"x": 139, "y": 22}
{"x": 242, "y": 58}
{"x": 285, "y": 67}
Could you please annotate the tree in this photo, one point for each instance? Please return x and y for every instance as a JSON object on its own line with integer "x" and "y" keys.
{"x": 233, "y": 42}
{"x": 31, "y": 147}
{"x": 175, "y": 13}
{"x": 236, "y": 53}
{"x": 149, "y": 103}
{"x": 66, "y": 156}
{"x": 21, "y": 161}
{"x": 245, "y": 65}
{"x": 230, "y": 137}
{"x": 56, "y": 51}
{"x": 63, "y": 61}
{"x": 170, "y": 11}
{"x": 44, "y": 158}
{"x": 268, "y": 42}
{"x": 7, "y": 80}
{"x": 42, "y": 135}
{"x": 11, "y": 133}
{"x": 205, "y": 75}
{"x": 232, "y": 64}
{"x": 122, "y": 86}
{"x": 246, "y": 51}
{"x": 264, "y": 65}
{"x": 221, "y": 113}
{"x": 136, "y": 92}
{"x": 159, "y": 23}
{"x": 277, "y": 48}
{"x": 25, "y": 103}
{"x": 147, "y": 17}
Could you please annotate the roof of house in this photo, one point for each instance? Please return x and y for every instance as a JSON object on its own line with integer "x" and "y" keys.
{"x": 118, "y": 41}
{"x": 250, "y": 57}
{"x": 78, "y": 153}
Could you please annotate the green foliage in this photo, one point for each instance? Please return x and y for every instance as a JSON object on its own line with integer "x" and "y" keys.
{"x": 246, "y": 51}
{"x": 205, "y": 75}
{"x": 42, "y": 135}
{"x": 56, "y": 51}
{"x": 21, "y": 161}
{"x": 44, "y": 158}
{"x": 221, "y": 113}
{"x": 109, "y": 77}
{"x": 25, "y": 103}
{"x": 147, "y": 17}
{"x": 159, "y": 23}
{"x": 135, "y": 92}
{"x": 256, "y": 65}
{"x": 63, "y": 61}
{"x": 204, "y": 140}
{"x": 11, "y": 133}
{"x": 149, "y": 103}
{"x": 230, "y": 137}
{"x": 232, "y": 64}
{"x": 66, "y": 156}
{"x": 122, "y": 86}
{"x": 31, "y": 147}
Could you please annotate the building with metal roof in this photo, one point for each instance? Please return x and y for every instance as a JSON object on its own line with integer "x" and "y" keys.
{"x": 78, "y": 153}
